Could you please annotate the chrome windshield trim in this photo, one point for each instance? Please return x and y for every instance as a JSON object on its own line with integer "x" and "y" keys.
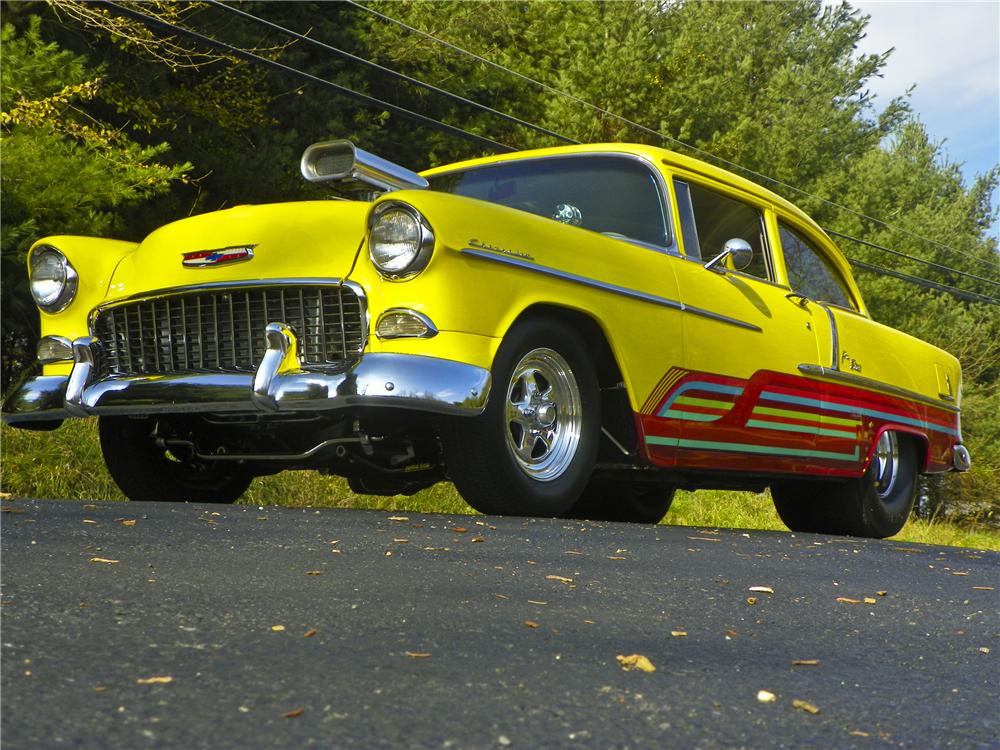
{"x": 663, "y": 191}
{"x": 620, "y": 290}
{"x": 874, "y": 385}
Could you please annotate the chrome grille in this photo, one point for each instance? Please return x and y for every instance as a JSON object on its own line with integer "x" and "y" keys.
{"x": 223, "y": 330}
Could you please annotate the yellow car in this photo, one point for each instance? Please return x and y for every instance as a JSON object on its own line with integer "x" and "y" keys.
{"x": 574, "y": 331}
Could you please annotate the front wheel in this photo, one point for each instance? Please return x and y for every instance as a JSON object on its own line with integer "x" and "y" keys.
{"x": 145, "y": 471}
{"x": 532, "y": 450}
{"x": 875, "y": 505}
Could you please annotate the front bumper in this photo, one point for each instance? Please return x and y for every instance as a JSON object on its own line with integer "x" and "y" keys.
{"x": 403, "y": 381}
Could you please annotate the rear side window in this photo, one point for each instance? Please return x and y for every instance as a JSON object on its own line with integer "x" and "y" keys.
{"x": 809, "y": 272}
{"x": 710, "y": 219}
{"x": 607, "y": 194}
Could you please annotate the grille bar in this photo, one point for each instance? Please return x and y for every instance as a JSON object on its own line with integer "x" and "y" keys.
{"x": 223, "y": 331}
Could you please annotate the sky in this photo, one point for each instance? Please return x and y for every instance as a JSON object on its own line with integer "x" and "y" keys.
{"x": 951, "y": 51}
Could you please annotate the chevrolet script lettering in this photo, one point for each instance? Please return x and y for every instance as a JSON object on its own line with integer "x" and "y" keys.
{"x": 223, "y": 256}
{"x": 493, "y": 248}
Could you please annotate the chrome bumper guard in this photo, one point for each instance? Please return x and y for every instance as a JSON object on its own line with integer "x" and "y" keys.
{"x": 403, "y": 381}
{"x": 960, "y": 458}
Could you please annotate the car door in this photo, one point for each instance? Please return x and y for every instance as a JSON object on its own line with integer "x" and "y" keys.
{"x": 745, "y": 336}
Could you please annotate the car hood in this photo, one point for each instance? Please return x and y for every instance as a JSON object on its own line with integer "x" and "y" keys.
{"x": 315, "y": 239}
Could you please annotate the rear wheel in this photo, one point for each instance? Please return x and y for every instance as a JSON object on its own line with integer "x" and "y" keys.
{"x": 532, "y": 450}
{"x": 606, "y": 500}
{"x": 874, "y": 505}
{"x": 145, "y": 471}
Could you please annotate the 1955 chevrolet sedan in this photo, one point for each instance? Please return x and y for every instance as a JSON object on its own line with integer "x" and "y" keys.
{"x": 573, "y": 331}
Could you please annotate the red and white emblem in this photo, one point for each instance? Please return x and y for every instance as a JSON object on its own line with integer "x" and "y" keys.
{"x": 205, "y": 258}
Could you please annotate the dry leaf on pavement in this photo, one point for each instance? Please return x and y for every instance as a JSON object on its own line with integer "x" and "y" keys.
{"x": 762, "y": 589}
{"x": 806, "y": 706}
{"x": 418, "y": 654}
{"x": 561, "y": 579}
{"x": 154, "y": 680}
{"x": 104, "y": 560}
{"x": 635, "y": 661}
{"x": 766, "y": 696}
{"x": 293, "y": 713}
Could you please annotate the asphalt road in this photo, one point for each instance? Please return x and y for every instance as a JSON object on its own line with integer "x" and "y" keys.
{"x": 184, "y": 626}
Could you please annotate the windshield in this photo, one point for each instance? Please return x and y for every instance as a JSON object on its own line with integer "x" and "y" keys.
{"x": 608, "y": 194}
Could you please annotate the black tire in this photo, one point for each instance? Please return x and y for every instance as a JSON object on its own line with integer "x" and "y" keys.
{"x": 497, "y": 462}
{"x": 144, "y": 471}
{"x": 606, "y": 500}
{"x": 875, "y": 505}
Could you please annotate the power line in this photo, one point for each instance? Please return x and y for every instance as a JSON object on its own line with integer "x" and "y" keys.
{"x": 938, "y": 266}
{"x": 663, "y": 136}
{"x": 444, "y": 127}
{"x": 388, "y": 71}
{"x": 358, "y": 96}
{"x": 925, "y": 283}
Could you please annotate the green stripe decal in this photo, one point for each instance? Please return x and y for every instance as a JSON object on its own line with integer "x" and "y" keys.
{"x": 707, "y": 402}
{"x": 812, "y": 416}
{"x": 810, "y": 429}
{"x": 749, "y": 448}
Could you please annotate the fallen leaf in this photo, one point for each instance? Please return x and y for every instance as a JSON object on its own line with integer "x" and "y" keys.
{"x": 127, "y": 522}
{"x": 418, "y": 654}
{"x": 982, "y": 588}
{"x": 293, "y": 713}
{"x": 617, "y": 557}
{"x": 848, "y": 600}
{"x": 805, "y": 662}
{"x": 398, "y": 518}
{"x": 533, "y": 601}
{"x": 678, "y": 633}
{"x": 635, "y": 661}
{"x": 703, "y": 539}
{"x": 766, "y": 696}
{"x": 100, "y": 689}
{"x": 751, "y": 600}
{"x": 309, "y": 633}
{"x": 278, "y": 628}
{"x": 91, "y": 521}
{"x": 870, "y": 600}
{"x": 154, "y": 680}
{"x": 314, "y": 572}
{"x": 858, "y": 733}
{"x": 388, "y": 553}
{"x": 501, "y": 596}
{"x": 573, "y": 552}
{"x": 959, "y": 573}
{"x": 561, "y": 579}
{"x": 806, "y": 706}
{"x": 731, "y": 634}
{"x": 762, "y": 589}
{"x": 400, "y": 541}
{"x": 477, "y": 539}
{"x": 458, "y": 529}
{"x": 984, "y": 650}
{"x": 104, "y": 560}
{"x": 531, "y": 623}
{"x": 882, "y": 593}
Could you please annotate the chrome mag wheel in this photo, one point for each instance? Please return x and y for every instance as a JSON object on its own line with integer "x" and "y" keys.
{"x": 886, "y": 464}
{"x": 543, "y": 414}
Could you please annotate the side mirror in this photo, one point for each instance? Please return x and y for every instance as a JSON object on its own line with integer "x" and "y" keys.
{"x": 736, "y": 253}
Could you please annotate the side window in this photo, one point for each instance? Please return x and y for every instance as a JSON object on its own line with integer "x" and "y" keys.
{"x": 710, "y": 219}
{"x": 808, "y": 271}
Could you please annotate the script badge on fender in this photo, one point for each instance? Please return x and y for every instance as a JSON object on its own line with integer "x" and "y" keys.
{"x": 206, "y": 258}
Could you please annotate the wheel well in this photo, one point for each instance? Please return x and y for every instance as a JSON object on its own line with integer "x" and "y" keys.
{"x": 616, "y": 410}
{"x": 919, "y": 441}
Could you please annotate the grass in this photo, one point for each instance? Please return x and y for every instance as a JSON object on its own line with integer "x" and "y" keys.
{"x": 66, "y": 463}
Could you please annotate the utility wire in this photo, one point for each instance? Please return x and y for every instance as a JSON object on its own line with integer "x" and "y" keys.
{"x": 938, "y": 266}
{"x": 453, "y": 130}
{"x": 925, "y": 283}
{"x": 388, "y": 71}
{"x": 658, "y": 134}
{"x": 358, "y": 96}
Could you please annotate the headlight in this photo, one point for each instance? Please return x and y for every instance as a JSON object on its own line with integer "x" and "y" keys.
{"x": 400, "y": 241}
{"x": 53, "y": 279}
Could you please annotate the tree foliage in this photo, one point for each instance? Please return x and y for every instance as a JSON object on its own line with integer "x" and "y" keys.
{"x": 91, "y": 100}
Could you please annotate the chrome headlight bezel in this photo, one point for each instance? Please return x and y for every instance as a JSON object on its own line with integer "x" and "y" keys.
{"x": 423, "y": 241}
{"x": 65, "y": 277}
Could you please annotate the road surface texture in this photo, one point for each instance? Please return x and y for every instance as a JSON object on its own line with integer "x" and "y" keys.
{"x": 191, "y": 626}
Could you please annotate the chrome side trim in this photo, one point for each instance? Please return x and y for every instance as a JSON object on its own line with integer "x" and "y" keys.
{"x": 623, "y": 291}
{"x": 834, "y": 337}
{"x": 401, "y": 381}
{"x": 874, "y": 385}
